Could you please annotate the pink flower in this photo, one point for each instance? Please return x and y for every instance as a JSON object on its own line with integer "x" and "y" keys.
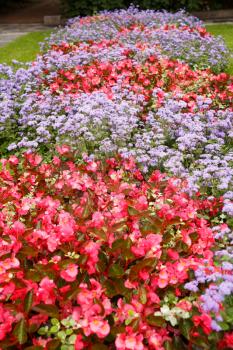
{"x": 63, "y": 149}
{"x": 56, "y": 161}
{"x": 79, "y": 344}
{"x": 99, "y": 327}
{"x": 92, "y": 166}
{"x": 18, "y": 228}
{"x": 33, "y": 159}
{"x": 46, "y": 291}
{"x": 185, "y": 305}
{"x": 70, "y": 273}
{"x": 97, "y": 219}
{"x": 163, "y": 279}
{"x": 156, "y": 341}
{"x": 132, "y": 341}
{"x": 149, "y": 246}
{"x": 141, "y": 203}
{"x": 13, "y": 160}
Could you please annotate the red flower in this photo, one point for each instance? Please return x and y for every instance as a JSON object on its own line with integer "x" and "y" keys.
{"x": 204, "y": 321}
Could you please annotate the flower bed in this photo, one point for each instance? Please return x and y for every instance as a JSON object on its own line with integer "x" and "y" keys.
{"x": 95, "y": 250}
{"x": 123, "y": 240}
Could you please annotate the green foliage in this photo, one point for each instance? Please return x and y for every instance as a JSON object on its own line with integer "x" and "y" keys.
{"x": 20, "y": 331}
{"x": 88, "y": 7}
{"x": 8, "y": 3}
{"x": 72, "y": 8}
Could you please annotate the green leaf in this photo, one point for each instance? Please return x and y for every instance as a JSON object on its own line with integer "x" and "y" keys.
{"x": 120, "y": 226}
{"x": 54, "y": 344}
{"x": 229, "y": 314}
{"x": 72, "y": 339}
{"x": 67, "y": 347}
{"x": 32, "y": 328}
{"x": 33, "y": 275}
{"x": 135, "y": 324}
{"x": 203, "y": 343}
{"x": 66, "y": 262}
{"x": 177, "y": 343}
{"x": 116, "y": 271}
{"x": 185, "y": 328}
{"x": 36, "y": 347}
{"x": 132, "y": 211}
{"x": 72, "y": 293}
{"x": 110, "y": 288}
{"x": 54, "y": 321}
{"x": 224, "y": 326}
{"x": 99, "y": 347}
{"x": 99, "y": 233}
{"x": 168, "y": 345}
{"x": 142, "y": 295}
{"x": 181, "y": 247}
{"x": 48, "y": 309}
{"x": 8, "y": 343}
{"x": 61, "y": 335}
{"x": 146, "y": 263}
{"x": 148, "y": 227}
{"x": 27, "y": 251}
{"x": 43, "y": 330}
{"x": 55, "y": 328}
{"x": 121, "y": 244}
{"x": 156, "y": 321}
{"x": 87, "y": 209}
{"x": 20, "y": 331}
{"x": 28, "y": 301}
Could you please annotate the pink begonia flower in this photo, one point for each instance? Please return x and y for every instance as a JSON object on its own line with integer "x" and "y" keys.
{"x": 92, "y": 250}
{"x": 92, "y": 166}
{"x": 63, "y": 149}
{"x": 163, "y": 279}
{"x": 100, "y": 327}
{"x": 130, "y": 285}
{"x": 97, "y": 219}
{"x": 149, "y": 246}
{"x": 156, "y": 341}
{"x": 13, "y": 160}
{"x": 142, "y": 203}
{"x": 56, "y": 161}
{"x": 33, "y": 159}
{"x": 79, "y": 344}
{"x": 144, "y": 274}
{"x": 18, "y": 228}
{"x": 70, "y": 273}
{"x": 172, "y": 254}
{"x": 46, "y": 291}
{"x": 129, "y": 342}
{"x": 185, "y": 305}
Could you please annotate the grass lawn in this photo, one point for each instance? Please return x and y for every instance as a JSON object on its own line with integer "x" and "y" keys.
{"x": 23, "y": 49}
{"x": 226, "y": 31}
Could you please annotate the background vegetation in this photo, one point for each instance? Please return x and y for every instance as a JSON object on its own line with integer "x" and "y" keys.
{"x": 88, "y": 7}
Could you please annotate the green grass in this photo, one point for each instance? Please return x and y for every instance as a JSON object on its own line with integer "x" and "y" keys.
{"x": 226, "y": 31}
{"x": 23, "y": 49}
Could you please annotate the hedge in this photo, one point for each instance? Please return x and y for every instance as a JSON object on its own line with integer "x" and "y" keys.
{"x": 73, "y": 8}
